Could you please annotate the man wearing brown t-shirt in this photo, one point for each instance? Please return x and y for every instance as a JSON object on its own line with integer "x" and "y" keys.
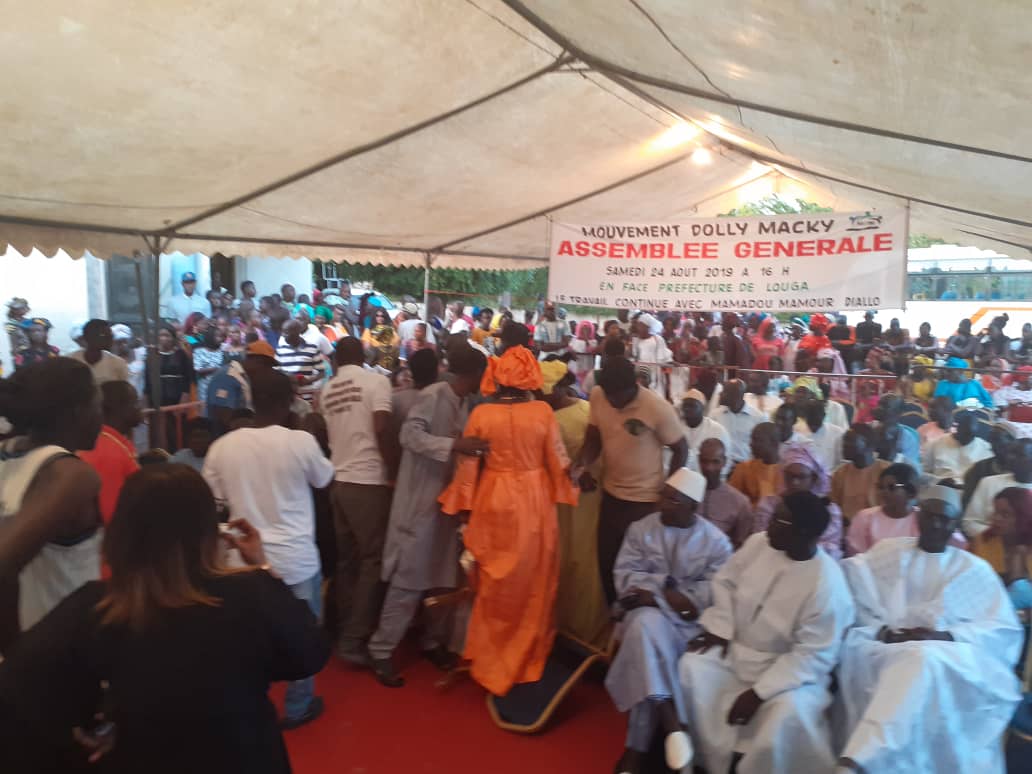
{"x": 628, "y": 427}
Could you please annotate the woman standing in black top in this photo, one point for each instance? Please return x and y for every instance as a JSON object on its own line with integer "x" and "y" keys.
{"x": 175, "y": 366}
{"x": 185, "y": 648}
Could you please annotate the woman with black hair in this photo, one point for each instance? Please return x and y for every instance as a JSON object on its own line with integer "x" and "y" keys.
{"x": 176, "y": 371}
{"x": 175, "y": 650}
{"x": 49, "y": 521}
{"x": 895, "y": 517}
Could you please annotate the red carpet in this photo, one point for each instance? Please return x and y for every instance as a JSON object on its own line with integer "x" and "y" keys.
{"x": 369, "y": 729}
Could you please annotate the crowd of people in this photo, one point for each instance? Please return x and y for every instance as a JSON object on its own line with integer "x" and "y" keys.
{"x": 746, "y": 537}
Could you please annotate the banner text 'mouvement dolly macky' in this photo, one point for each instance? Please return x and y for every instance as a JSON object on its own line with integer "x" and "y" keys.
{"x": 806, "y": 262}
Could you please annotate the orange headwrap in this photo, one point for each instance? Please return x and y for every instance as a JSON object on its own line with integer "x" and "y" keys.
{"x": 517, "y": 367}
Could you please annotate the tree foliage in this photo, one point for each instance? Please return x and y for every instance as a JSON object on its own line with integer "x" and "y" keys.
{"x": 477, "y": 285}
{"x": 923, "y": 240}
{"x": 773, "y": 205}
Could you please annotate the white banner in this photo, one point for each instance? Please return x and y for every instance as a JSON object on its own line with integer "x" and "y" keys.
{"x": 807, "y": 262}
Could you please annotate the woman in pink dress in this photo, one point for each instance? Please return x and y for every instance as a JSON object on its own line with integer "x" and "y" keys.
{"x": 895, "y": 517}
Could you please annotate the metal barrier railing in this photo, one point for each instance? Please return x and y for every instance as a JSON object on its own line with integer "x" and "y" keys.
{"x": 821, "y": 377}
{"x": 174, "y": 417}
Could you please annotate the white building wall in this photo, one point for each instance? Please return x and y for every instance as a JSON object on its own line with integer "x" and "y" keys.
{"x": 270, "y": 274}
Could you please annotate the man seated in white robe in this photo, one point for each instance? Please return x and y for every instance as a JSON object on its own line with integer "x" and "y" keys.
{"x": 662, "y": 576}
{"x": 756, "y": 679}
{"x": 927, "y": 678}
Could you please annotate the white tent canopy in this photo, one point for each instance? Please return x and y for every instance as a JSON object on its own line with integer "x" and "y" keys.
{"x": 386, "y": 131}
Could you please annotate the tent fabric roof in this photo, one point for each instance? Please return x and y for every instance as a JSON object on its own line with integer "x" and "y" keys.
{"x": 383, "y": 132}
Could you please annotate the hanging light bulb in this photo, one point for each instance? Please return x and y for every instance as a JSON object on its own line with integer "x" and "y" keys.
{"x": 673, "y": 137}
{"x": 702, "y": 156}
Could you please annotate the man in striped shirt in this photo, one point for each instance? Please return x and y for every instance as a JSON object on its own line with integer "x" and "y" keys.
{"x": 300, "y": 360}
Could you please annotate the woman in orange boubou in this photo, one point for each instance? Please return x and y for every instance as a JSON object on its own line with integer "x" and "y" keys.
{"x": 511, "y": 495}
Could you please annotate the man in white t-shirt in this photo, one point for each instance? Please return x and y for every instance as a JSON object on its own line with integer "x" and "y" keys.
{"x": 182, "y": 306}
{"x": 758, "y": 394}
{"x": 825, "y": 437}
{"x": 698, "y": 428}
{"x": 738, "y": 418}
{"x": 313, "y": 335}
{"x": 265, "y": 474}
{"x": 407, "y": 327}
{"x": 979, "y": 518}
{"x": 96, "y": 354}
{"x": 357, "y": 406}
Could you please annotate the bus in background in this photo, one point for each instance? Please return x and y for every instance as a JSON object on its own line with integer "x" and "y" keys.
{"x": 948, "y": 283}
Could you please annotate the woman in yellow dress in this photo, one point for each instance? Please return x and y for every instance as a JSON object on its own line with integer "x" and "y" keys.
{"x": 381, "y": 339}
{"x": 921, "y": 384}
{"x": 580, "y": 605}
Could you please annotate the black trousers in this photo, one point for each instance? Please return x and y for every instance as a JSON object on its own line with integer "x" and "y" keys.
{"x": 615, "y": 516}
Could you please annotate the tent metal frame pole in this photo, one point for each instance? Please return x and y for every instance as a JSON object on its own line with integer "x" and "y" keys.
{"x": 904, "y": 280}
{"x": 771, "y": 161}
{"x": 426, "y": 287}
{"x": 610, "y": 69}
{"x": 156, "y": 245}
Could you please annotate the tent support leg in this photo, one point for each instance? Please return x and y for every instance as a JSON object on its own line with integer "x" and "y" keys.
{"x": 155, "y": 247}
{"x": 426, "y": 287}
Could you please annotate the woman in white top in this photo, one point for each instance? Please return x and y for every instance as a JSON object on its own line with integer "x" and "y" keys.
{"x": 649, "y": 349}
{"x": 49, "y": 522}
{"x": 584, "y": 349}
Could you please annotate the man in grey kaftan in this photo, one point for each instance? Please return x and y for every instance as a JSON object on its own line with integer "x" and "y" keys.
{"x": 422, "y": 547}
{"x": 662, "y": 574}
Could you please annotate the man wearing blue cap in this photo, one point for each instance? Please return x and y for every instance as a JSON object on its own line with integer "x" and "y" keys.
{"x": 181, "y": 307}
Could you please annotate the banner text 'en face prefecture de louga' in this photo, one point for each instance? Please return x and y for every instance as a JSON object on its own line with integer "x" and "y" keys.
{"x": 806, "y": 262}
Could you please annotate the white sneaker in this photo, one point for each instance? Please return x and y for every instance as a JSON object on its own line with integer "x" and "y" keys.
{"x": 679, "y": 752}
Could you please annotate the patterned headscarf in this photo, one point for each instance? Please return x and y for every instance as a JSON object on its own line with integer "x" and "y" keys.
{"x": 517, "y": 368}
{"x": 803, "y": 454}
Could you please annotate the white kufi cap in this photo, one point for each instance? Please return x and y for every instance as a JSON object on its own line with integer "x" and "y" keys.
{"x": 689, "y": 483}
